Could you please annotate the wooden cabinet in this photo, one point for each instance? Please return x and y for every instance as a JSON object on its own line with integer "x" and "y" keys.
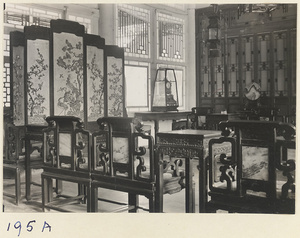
{"x": 253, "y": 48}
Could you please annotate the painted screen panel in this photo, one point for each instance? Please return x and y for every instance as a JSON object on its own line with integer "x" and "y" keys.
{"x": 68, "y": 75}
{"x": 95, "y": 83}
{"x": 38, "y": 94}
{"x": 18, "y": 86}
{"x": 115, "y": 86}
{"x": 255, "y": 163}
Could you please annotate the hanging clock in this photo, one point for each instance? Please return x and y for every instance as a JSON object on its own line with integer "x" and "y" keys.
{"x": 165, "y": 94}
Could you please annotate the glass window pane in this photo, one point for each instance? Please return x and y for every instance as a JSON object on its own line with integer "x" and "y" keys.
{"x": 136, "y": 86}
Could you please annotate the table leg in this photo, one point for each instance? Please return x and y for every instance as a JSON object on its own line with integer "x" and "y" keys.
{"x": 27, "y": 169}
{"x": 189, "y": 194}
{"x": 202, "y": 184}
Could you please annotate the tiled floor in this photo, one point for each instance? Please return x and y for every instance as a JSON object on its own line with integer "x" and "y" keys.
{"x": 174, "y": 203}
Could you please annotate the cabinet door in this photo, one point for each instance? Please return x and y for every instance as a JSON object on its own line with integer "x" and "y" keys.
{"x": 37, "y": 74}
{"x": 17, "y": 77}
{"x": 95, "y": 76}
{"x": 115, "y": 81}
{"x": 68, "y": 72}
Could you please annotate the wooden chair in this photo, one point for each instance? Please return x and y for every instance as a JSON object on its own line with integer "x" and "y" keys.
{"x": 197, "y": 118}
{"x": 14, "y": 154}
{"x": 256, "y": 176}
{"x": 66, "y": 155}
{"x": 120, "y": 163}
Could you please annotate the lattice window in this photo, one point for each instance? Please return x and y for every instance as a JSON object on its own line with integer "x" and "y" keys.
{"x": 6, "y": 85}
{"x": 133, "y": 26}
{"x": 170, "y": 37}
{"x": 18, "y": 16}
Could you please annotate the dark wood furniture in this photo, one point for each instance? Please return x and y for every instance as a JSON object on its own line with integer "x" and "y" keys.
{"x": 197, "y": 118}
{"x": 60, "y": 70}
{"x": 120, "y": 163}
{"x": 256, "y": 176}
{"x": 160, "y": 116}
{"x": 33, "y": 155}
{"x": 66, "y": 155}
{"x": 213, "y": 119}
{"x": 263, "y": 53}
{"x": 13, "y": 159}
{"x": 187, "y": 144}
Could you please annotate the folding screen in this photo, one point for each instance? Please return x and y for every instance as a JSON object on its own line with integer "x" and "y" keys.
{"x": 61, "y": 71}
{"x": 17, "y": 76}
{"x": 115, "y": 81}
{"x": 95, "y": 66}
{"x": 37, "y": 74}
{"x": 68, "y": 75}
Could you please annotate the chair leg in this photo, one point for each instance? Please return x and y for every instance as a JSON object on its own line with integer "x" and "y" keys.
{"x": 133, "y": 200}
{"x": 18, "y": 185}
{"x": 159, "y": 184}
{"x": 94, "y": 199}
{"x": 152, "y": 203}
{"x": 47, "y": 192}
{"x": 58, "y": 187}
{"x": 88, "y": 198}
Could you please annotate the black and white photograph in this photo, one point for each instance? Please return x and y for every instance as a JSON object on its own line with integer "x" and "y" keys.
{"x": 154, "y": 108}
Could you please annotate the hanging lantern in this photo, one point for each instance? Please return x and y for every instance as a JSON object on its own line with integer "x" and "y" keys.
{"x": 165, "y": 96}
{"x": 214, "y": 36}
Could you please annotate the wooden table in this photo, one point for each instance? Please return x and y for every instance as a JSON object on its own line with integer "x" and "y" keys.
{"x": 186, "y": 144}
{"x": 159, "y": 116}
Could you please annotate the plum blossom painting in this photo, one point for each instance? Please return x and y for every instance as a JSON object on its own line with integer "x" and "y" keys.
{"x": 18, "y": 85}
{"x": 95, "y": 83}
{"x": 38, "y": 103}
{"x": 68, "y": 73}
{"x": 115, "y": 87}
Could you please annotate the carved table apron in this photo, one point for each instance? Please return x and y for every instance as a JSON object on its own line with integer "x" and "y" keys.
{"x": 186, "y": 144}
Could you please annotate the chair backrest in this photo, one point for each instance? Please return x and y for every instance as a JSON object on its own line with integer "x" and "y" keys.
{"x": 121, "y": 149}
{"x": 197, "y": 118}
{"x": 254, "y": 157}
{"x": 67, "y": 145}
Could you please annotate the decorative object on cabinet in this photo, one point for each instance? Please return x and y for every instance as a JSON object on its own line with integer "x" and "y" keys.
{"x": 165, "y": 94}
{"x": 67, "y": 157}
{"x": 257, "y": 177}
{"x": 120, "y": 163}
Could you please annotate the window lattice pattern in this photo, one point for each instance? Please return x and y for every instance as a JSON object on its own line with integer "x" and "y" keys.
{"x": 133, "y": 30}
{"x": 16, "y": 17}
{"x": 170, "y": 37}
{"x": 20, "y": 16}
{"x": 6, "y": 85}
